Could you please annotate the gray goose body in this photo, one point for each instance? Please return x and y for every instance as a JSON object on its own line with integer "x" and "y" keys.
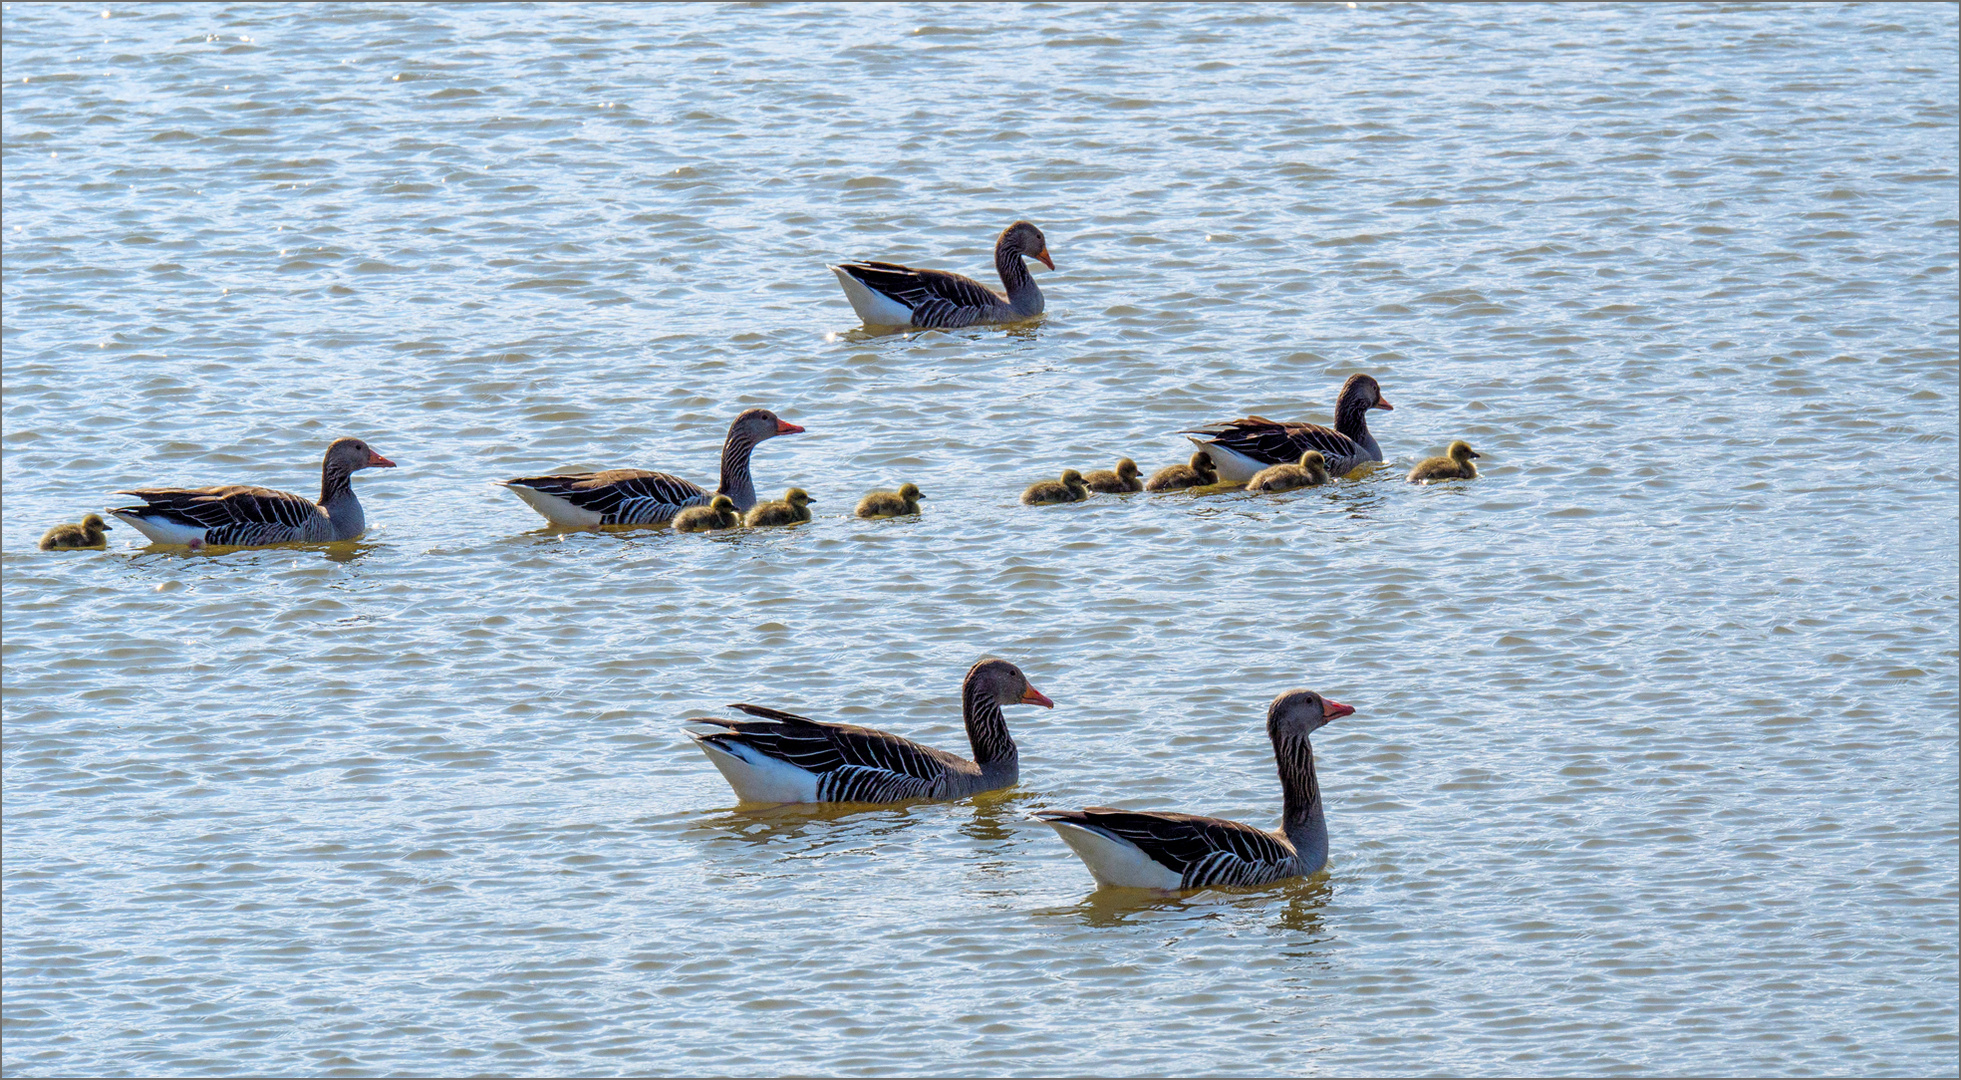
{"x": 780, "y": 757}
{"x": 243, "y": 516}
{"x": 1140, "y": 849}
{"x": 888, "y": 294}
{"x": 645, "y": 497}
{"x": 1241, "y": 448}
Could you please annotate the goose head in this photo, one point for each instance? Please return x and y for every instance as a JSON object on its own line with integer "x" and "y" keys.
{"x": 1363, "y": 391}
{"x": 910, "y": 492}
{"x": 1126, "y": 469}
{"x": 1315, "y": 464}
{"x": 1004, "y": 684}
{"x": 797, "y": 497}
{"x": 1072, "y": 478}
{"x": 1461, "y": 452}
{"x": 349, "y": 454}
{"x": 1024, "y": 239}
{"x": 1202, "y": 465}
{"x": 1301, "y": 712}
{"x": 93, "y": 525}
{"x": 758, "y": 424}
{"x": 722, "y": 504}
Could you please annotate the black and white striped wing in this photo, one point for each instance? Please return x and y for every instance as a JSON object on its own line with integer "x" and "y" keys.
{"x": 852, "y": 764}
{"x": 1276, "y": 443}
{"x": 1202, "y": 851}
{"x": 621, "y": 496}
{"x": 234, "y": 514}
{"x": 937, "y": 298}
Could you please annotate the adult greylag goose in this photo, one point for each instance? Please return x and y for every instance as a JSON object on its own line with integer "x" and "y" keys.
{"x": 643, "y": 497}
{"x": 1312, "y": 471}
{"x": 1243, "y": 447}
{"x": 89, "y": 534}
{"x": 792, "y": 509}
{"x": 1200, "y": 473}
{"x": 1142, "y": 850}
{"x": 1066, "y": 490}
{"x": 887, "y": 294}
{"x": 718, "y": 514}
{"x": 237, "y": 516}
{"x": 1123, "y": 478}
{"x": 1454, "y": 465}
{"x": 780, "y": 757}
{"x": 898, "y": 503}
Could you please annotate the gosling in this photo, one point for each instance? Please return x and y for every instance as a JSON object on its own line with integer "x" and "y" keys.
{"x": 1124, "y": 479}
{"x": 1455, "y": 465}
{"x": 794, "y": 509}
{"x": 1311, "y": 472}
{"x": 1066, "y": 490}
{"x": 77, "y": 537}
{"x": 718, "y": 514}
{"x": 901, "y": 503}
{"x": 1200, "y": 473}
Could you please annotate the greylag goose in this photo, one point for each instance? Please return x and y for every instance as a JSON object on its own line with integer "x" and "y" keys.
{"x": 1123, "y": 479}
{"x": 898, "y": 503}
{"x": 1066, "y": 490}
{"x": 887, "y": 294}
{"x": 718, "y": 514}
{"x": 1243, "y": 447}
{"x": 1454, "y": 465}
{"x": 1142, "y": 850}
{"x": 780, "y": 757}
{"x": 1200, "y": 473}
{"x": 792, "y": 509}
{"x": 1312, "y": 471}
{"x": 642, "y": 497}
{"x": 89, "y": 534}
{"x": 253, "y": 516}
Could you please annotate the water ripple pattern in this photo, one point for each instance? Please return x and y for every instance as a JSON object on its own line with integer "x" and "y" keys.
{"x": 1653, "y": 768}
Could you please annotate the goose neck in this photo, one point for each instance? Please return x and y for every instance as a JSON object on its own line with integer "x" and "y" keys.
{"x": 1301, "y": 816}
{"x": 1352, "y": 420}
{"x": 987, "y": 730}
{"x": 1023, "y": 294}
{"x": 337, "y": 499}
{"x": 736, "y": 481}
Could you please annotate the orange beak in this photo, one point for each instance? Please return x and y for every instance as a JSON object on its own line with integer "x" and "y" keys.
{"x": 1044, "y": 256}
{"x": 784, "y": 427}
{"x": 1033, "y": 696}
{"x": 1382, "y": 403}
{"x": 1335, "y": 710}
{"x": 376, "y": 461}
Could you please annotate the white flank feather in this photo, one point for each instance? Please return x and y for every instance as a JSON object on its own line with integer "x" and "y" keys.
{"x": 162, "y": 530}
{"x": 556, "y": 510}
{"x": 875, "y": 308}
{"x": 1115, "y": 863}
{"x": 759, "y": 778}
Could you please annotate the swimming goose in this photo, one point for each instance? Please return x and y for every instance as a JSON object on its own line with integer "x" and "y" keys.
{"x": 792, "y": 509}
{"x": 1200, "y": 473}
{"x": 1312, "y": 471}
{"x": 718, "y": 514}
{"x": 1243, "y": 447}
{"x": 251, "y": 516}
{"x": 1454, "y": 465}
{"x": 1123, "y": 479}
{"x": 899, "y": 503}
{"x": 1066, "y": 490}
{"x": 89, "y": 534}
{"x": 1143, "y": 850}
{"x": 642, "y": 497}
{"x": 887, "y": 294}
{"x": 784, "y": 758}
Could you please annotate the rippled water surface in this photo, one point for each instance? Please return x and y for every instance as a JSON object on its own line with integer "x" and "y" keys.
{"x": 1653, "y": 768}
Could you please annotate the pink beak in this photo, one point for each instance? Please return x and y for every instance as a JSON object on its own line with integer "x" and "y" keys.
{"x": 376, "y": 461}
{"x": 1335, "y": 710}
{"x": 784, "y": 427}
{"x": 1036, "y": 697}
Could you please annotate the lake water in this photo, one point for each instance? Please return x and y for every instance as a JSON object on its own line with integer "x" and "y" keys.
{"x": 1653, "y": 768}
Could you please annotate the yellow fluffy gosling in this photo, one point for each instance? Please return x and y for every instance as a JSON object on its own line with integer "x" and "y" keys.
{"x": 891, "y": 503}
{"x": 1311, "y": 472}
{"x": 1200, "y": 473}
{"x": 1066, "y": 490}
{"x": 1124, "y": 479}
{"x": 1454, "y": 465}
{"x": 794, "y": 509}
{"x": 718, "y": 514}
{"x": 76, "y": 537}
